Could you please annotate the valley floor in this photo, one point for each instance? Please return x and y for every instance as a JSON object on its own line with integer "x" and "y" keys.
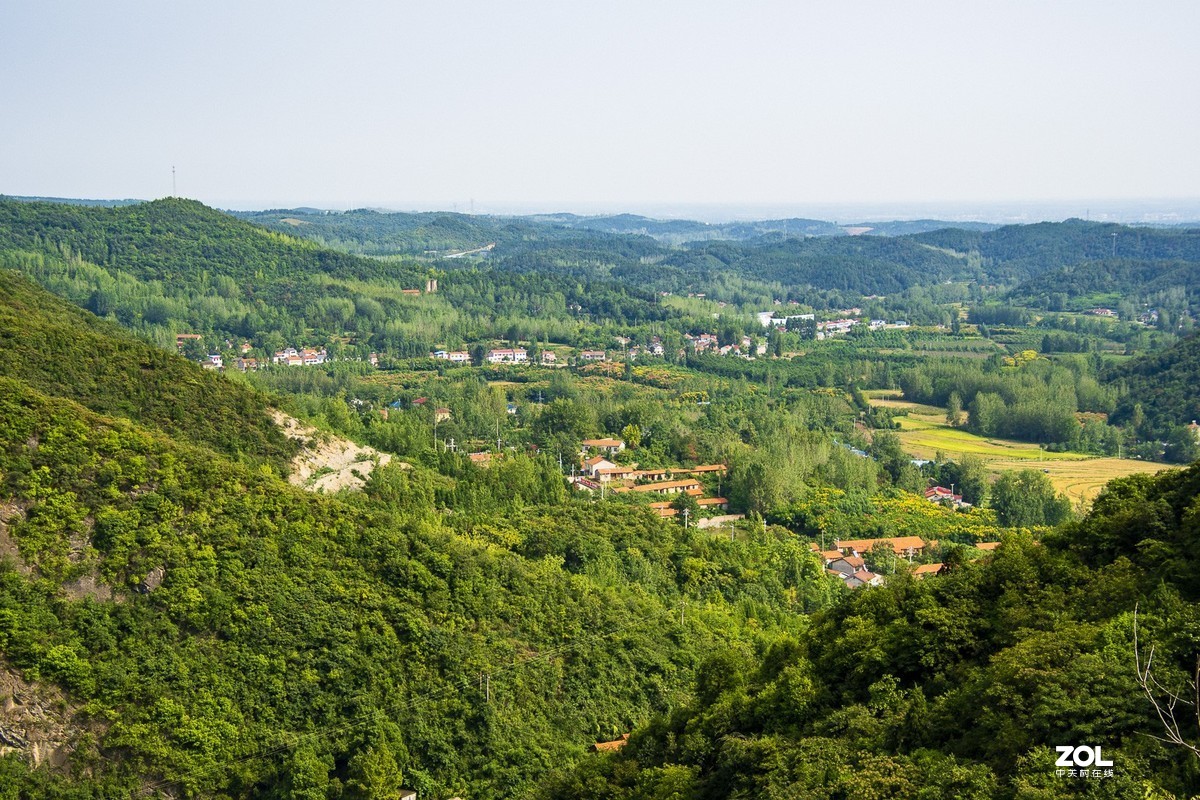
{"x": 924, "y": 433}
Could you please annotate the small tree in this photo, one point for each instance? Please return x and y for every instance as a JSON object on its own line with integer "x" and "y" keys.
{"x": 632, "y": 436}
{"x": 685, "y": 502}
{"x": 954, "y": 410}
{"x": 1027, "y": 498}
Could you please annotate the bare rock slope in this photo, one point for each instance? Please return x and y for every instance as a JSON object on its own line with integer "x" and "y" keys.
{"x": 328, "y": 463}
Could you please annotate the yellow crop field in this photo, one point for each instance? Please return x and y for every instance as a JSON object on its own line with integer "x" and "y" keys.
{"x": 924, "y": 433}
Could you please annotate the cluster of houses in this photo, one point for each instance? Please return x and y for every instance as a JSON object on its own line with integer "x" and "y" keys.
{"x": 288, "y": 357}
{"x": 598, "y": 473}
{"x": 708, "y": 343}
{"x": 845, "y": 320}
{"x": 497, "y": 355}
{"x": 515, "y": 355}
{"x": 655, "y": 348}
{"x": 507, "y": 355}
{"x": 944, "y": 496}
{"x": 847, "y": 560}
{"x": 291, "y": 357}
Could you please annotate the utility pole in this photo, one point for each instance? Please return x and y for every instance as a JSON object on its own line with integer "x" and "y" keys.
{"x": 1114, "y": 247}
{"x": 174, "y": 191}
{"x": 685, "y": 519}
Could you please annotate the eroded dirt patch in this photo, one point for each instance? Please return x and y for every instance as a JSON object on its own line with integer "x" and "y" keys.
{"x": 328, "y": 463}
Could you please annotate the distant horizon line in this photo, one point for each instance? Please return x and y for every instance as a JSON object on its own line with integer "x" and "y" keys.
{"x": 1161, "y": 210}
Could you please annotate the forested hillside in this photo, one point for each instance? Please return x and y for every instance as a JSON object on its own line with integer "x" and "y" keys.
{"x": 176, "y": 266}
{"x": 59, "y": 350}
{"x": 1168, "y": 286}
{"x": 1161, "y": 396}
{"x": 1063, "y": 263}
{"x": 219, "y": 632}
{"x": 956, "y": 687}
{"x": 157, "y": 240}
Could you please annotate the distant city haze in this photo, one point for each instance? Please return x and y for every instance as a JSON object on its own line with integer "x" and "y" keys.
{"x": 1013, "y": 111}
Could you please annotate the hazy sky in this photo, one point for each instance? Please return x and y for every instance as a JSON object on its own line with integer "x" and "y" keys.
{"x": 571, "y": 105}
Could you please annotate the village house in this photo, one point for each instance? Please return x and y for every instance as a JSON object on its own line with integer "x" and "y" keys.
{"x": 864, "y": 577}
{"x": 441, "y": 414}
{"x": 614, "y": 473}
{"x": 311, "y": 357}
{"x": 690, "y": 486}
{"x": 453, "y": 356}
{"x": 582, "y": 482}
{"x": 592, "y": 355}
{"x": 214, "y": 361}
{"x": 181, "y": 338}
{"x": 846, "y": 565}
{"x": 289, "y": 357}
{"x": 516, "y": 355}
{"x": 940, "y": 494}
{"x": 923, "y": 571}
{"x": 713, "y": 502}
{"x": 549, "y": 359}
{"x": 836, "y": 326}
{"x": 590, "y": 465}
{"x": 663, "y": 509}
{"x": 903, "y": 546}
{"x": 374, "y": 359}
{"x": 609, "y": 446}
{"x": 247, "y": 364}
{"x": 1195, "y": 430}
{"x": 483, "y": 459}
